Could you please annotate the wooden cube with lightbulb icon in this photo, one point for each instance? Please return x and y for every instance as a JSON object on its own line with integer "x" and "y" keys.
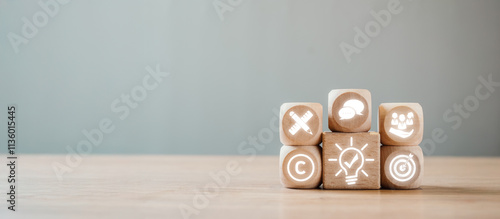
{"x": 301, "y": 124}
{"x": 402, "y": 167}
{"x": 300, "y": 166}
{"x": 349, "y": 110}
{"x": 401, "y": 123}
{"x": 351, "y": 160}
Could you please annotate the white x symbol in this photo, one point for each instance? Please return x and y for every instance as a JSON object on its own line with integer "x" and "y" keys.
{"x": 300, "y": 123}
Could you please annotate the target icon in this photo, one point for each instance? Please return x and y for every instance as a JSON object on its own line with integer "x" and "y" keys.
{"x": 402, "y": 167}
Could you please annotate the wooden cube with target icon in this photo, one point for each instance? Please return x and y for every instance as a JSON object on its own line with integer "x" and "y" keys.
{"x": 301, "y": 123}
{"x": 300, "y": 166}
{"x": 401, "y": 123}
{"x": 402, "y": 167}
{"x": 349, "y": 110}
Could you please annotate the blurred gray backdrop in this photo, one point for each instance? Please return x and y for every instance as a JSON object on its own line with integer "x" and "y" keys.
{"x": 232, "y": 62}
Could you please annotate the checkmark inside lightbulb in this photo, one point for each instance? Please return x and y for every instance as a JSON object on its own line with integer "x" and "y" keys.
{"x": 352, "y": 161}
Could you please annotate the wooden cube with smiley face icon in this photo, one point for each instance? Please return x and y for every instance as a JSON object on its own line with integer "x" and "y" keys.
{"x": 301, "y": 124}
{"x": 349, "y": 110}
{"x": 401, "y": 123}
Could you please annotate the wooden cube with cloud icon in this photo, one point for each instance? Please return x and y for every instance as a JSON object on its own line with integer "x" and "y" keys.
{"x": 301, "y": 124}
{"x": 300, "y": 166}
{"x": 401, "y": 123}
{"x": 351, "y": 160}
{"x": 349, "y": 110}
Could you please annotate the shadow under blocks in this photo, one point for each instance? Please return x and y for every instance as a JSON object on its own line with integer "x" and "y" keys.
{"x": 351, "y": 157}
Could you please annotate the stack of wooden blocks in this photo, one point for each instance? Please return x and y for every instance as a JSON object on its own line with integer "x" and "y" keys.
{"x": 351, "y": 156}
{"x": 401, "y": 127}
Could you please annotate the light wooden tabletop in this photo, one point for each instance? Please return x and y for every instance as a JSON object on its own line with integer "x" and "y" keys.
{"x": 162, "y": 186}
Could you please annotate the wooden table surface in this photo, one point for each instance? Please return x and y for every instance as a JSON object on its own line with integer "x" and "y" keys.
{"x": 157, "y": 186}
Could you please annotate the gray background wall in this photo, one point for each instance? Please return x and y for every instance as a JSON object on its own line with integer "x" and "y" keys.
{"x": 228, "y": 75}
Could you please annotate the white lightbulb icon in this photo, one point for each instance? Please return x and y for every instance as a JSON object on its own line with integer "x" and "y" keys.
{"x": 351, "y": 161}
{"x": 352, "y": 166}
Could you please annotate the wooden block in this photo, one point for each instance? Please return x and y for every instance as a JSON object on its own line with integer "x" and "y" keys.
{"x": 351, "y": 160}
{"x": 402, "y": 167}
{"x": 300, "y": 166}
{"x": 301, "y": 123}
{"x": 349, "y": 110}
{"x": 401, "y": 123}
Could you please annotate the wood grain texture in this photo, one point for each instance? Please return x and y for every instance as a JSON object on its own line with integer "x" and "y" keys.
{"x": 402, "y": 167}
{"x": 300, "y": 166}
{"x": 314, "y": 124}
{"x": 351, "y": 160}
{"x": 361, "y": 120}
{"x": 155, "y": 186}
{"x": 392, "y": 134}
